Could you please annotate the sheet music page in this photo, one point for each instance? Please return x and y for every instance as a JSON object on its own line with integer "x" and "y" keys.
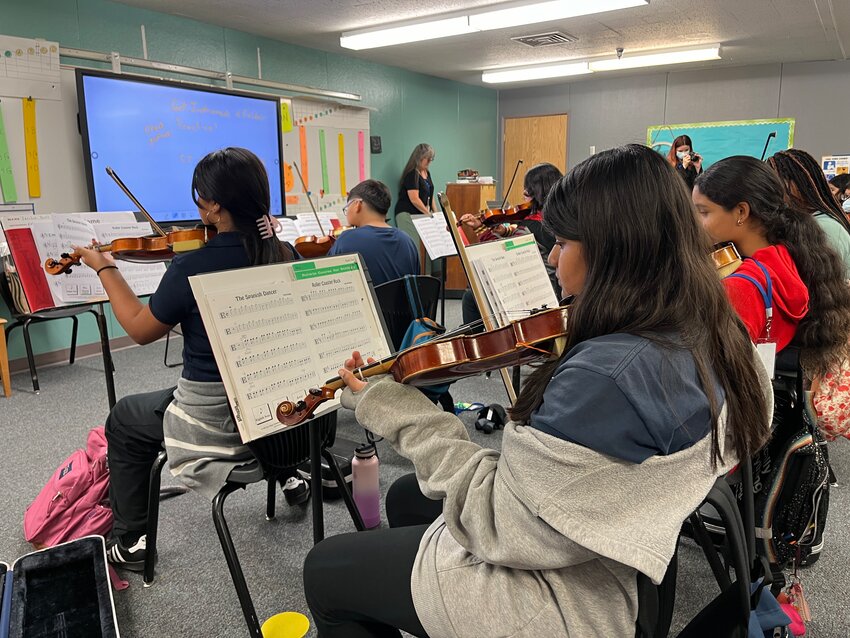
{"x": 69, "y": 230}
{"x": 49, "y": 246}
{"x": 288, "y": 230}
{"x": 277, "y": 331}
{"x": 143, "y": 278}
{"x": 117, "y": 217}
{"x": 434, "y": 235}
{"x": 307, "y": 225}
{"x": 516, "y": 275}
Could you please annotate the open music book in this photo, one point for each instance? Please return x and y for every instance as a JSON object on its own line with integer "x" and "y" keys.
{"x": 33, "y": 239}
{"x": 512, "y": 276}
{"x": 277, "y": 331}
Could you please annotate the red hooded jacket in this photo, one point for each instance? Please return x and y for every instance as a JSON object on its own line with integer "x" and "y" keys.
{"x": 790, "y": 295}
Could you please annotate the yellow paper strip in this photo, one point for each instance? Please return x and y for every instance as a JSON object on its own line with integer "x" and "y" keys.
{"x": 342, "y": 187}
{"x": 285, "y": 115}
{"x": 31, "y": 148}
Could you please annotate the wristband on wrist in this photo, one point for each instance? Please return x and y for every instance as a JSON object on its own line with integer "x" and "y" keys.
{"x": 102, "y": 268}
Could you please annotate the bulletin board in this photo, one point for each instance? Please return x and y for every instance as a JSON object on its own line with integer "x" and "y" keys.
{"x": 330, "y": 144}
{"x": 716, "y": 140}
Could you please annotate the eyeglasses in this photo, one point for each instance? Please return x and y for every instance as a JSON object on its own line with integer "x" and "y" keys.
{"x": 349, "y": 203}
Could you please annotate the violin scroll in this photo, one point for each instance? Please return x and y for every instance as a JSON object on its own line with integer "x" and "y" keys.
{"x": 63, "y": 264}
{"x": 292, "y": 413}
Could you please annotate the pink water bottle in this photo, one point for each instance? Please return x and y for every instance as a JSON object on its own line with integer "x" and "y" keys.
{"x": 367, "y": 491}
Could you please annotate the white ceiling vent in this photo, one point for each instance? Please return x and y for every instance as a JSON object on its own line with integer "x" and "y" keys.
{"x": 545, "y": 39}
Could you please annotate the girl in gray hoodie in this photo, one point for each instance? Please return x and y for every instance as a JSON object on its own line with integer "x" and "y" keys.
{"x": 610, "y": 447}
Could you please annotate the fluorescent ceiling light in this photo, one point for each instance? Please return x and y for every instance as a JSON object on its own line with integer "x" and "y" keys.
{"x": 518, "y": 15}
{"x": 535, "y": 73}
{"x": 514, "y": 15}
{"x": 711, "y": 52}
{"x": 405, "y": 33}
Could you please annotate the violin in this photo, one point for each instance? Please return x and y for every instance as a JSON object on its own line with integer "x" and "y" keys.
{"x": 160, "y": 246}
{"x": 726, "y": 258}
{"x": 152, "y": 248}
{"x": 509, "y": 215}
{"x": 312, "y": 246}
{"x": 534, "y": 338}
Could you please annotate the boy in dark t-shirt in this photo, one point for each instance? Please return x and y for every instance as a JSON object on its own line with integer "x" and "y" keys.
{"x": 388, "y": 252}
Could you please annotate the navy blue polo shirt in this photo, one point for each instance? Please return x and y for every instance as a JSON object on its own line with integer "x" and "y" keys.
{"x": 173, "y": 302}
{"x": 389, "y": 253}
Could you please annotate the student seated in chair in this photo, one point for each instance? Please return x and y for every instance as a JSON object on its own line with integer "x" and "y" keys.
{"x": 388, "y": 252}
{"x": 192, "y": 421}
{"x": 613, "y": 443}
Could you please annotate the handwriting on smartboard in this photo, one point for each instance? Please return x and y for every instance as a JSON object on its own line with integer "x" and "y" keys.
{"x": 180, "y": 106}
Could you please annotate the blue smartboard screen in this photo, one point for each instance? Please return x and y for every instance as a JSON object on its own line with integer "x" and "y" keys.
{"x": 153, "y": 133}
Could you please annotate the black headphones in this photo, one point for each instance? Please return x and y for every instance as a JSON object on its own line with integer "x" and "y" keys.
{"x": 491, "y": 418}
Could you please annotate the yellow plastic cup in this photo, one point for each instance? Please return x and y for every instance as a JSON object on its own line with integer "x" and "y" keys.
{"x": 289, "y": 624}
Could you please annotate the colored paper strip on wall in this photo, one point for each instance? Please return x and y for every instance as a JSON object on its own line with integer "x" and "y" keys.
{"x": 324, "y": 156}
{"x": 342, "y": 188}
{"x": 305, "y": 168}
{"x": 31, "y": 148}
{"x": 7, "y": 179}
{"x": 285, "y": 115}
{"x": 361, "y": 154}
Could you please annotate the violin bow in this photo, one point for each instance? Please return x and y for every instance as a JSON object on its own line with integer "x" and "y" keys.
{"x": 156, "y": 227}
{"x": 309, "y": 199}
{"x": 511, "y": 185}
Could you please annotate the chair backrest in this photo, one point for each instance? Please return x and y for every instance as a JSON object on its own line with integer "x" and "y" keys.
{"x": 392, "y": 298}
{"x": 727, "y": 616}
{"x": 656, "y": 602}
{"x": 291, "y": 447}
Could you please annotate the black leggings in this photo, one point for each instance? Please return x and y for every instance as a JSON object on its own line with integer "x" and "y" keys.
{"x": 358, "y": 585}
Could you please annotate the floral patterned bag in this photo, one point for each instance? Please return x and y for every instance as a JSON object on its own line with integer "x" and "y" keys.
{"x": 831, "y": 402}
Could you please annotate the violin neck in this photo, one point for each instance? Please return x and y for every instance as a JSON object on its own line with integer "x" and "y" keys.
{"x": 371, "y": 370}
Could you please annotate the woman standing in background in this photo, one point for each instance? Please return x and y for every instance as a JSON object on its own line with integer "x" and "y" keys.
{"x": 417, "y": 189}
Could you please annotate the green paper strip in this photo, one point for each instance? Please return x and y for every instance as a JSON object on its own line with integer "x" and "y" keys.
{"x": 7, "y": 179}
{"x": 324, "y": 154}
{"x": 309, "y": 270}
{"x": 518, "y": 243}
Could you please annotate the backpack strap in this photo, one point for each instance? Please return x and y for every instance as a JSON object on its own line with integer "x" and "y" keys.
{"x": 766, "y": 295}
{"x": 413, "y": 297}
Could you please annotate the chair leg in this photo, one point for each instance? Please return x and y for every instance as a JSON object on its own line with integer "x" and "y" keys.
{"x": 153, "y": 517}
{"x": 343, "y": 489}
{"x": 271, "y": 495}
{"x": 30, "y": 356}
{"x": 233, "y": 560}
{"x": 73, "y": 340}
{"x": 516, "y": 380}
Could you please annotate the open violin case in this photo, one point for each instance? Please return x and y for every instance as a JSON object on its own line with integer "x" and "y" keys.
{"x": 59, "y": 592}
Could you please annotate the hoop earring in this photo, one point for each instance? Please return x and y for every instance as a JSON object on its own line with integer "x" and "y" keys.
{"x": 210, "y": 221}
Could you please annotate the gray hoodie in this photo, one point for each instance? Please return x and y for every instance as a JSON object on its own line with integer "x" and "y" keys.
{"x": 546, "y": 537}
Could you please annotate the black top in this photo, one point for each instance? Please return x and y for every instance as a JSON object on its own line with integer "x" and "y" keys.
{"x": 688, "y": 174}
{"x": 411, "y": 182}
{"x": 173, "y": 301}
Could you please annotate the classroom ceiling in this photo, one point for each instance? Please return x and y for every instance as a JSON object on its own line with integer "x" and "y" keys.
{"x": 749, "y": 31}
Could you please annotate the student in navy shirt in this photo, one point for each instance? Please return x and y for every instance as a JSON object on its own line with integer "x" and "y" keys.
{"x": 231, "y": 189}
{"x": 388, "y": 252}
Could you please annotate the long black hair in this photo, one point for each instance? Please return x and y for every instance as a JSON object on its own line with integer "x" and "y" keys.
{"x": 822, "y": 333}
{"x": 538, "y": 181}
{"x": 806, "y": 184}
{"x": 237, "y": 181}
{"x": 420, "y": 152}
{"x": 649, "y": 273}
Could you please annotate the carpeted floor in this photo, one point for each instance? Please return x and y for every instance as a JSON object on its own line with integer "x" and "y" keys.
{"x": 193, "y": 594}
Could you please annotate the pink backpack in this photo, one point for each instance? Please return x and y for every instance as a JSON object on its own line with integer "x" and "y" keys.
{"x": 75, "y": 501}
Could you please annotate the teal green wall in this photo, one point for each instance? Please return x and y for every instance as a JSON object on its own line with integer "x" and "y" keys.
{"x": 458, "y": 120}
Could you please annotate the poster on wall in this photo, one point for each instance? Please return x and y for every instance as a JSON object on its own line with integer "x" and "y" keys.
{"x": 835, "y": 165}
{"x": 716, "y": 140}
{"x": 329, "y": 144}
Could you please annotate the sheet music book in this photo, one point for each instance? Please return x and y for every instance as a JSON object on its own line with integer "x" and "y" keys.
{"x": 32, "y": 239}
{"x": 307, "y": 224}
{"x": 279, "y": 330}
{"x": 288, "y": 230}
{"x": 512, "y": 276}
{"x": 435, "y": 236}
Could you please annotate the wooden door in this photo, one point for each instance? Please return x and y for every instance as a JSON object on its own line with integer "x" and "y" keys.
{"x": 541, "y": 138}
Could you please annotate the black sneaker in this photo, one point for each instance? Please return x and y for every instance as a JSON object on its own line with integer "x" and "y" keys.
{"x": 296, "y": 491}
{"x": 132, "y": 558}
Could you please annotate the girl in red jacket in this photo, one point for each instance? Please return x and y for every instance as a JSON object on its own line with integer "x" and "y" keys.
{"x": 792, "y": 287}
